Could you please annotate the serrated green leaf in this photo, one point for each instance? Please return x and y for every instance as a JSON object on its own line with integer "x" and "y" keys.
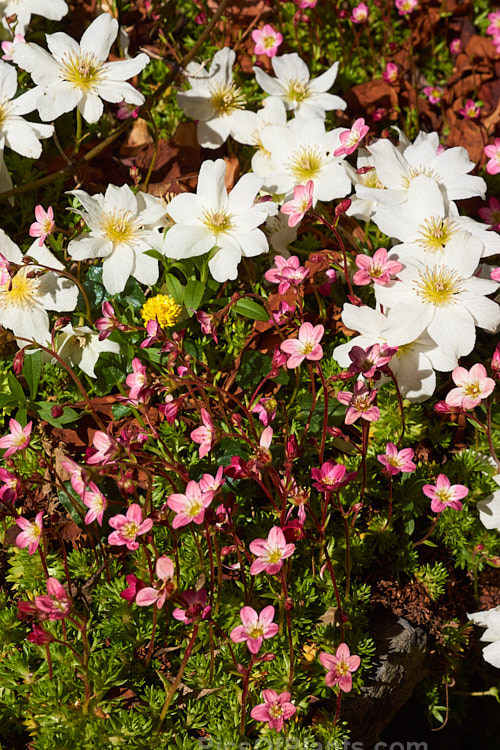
{"x": 250, "y": 309}
{"x": 193, "y": 294}
{"x": 32, "y": 370}
{"x": 16, "y": 389}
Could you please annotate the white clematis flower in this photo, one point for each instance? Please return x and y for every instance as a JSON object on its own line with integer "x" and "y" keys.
{"x": 489, "y": 619}
{"x": 213, "y": 99}
{"x": 489, "y": 508}
{"x": 397, "y": 168}
{"x": 80, "y": 346}
{"x": 214, "y": 220}
{"x": 364, "y": 174}
{"x": 77, "y": 75}
{"x": 248, "y": 126}
{"x": 54, "y": 10}
{"x": 303, "y": 151}
{"x": 123, "y": 226}
{"x": 293, "y": 85}
{"x": 446, "y": 299}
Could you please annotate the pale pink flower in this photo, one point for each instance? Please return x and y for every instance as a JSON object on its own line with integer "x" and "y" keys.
{"x": 390, "y": 74}
{"x": 8, "y": 47}
{"x": 359, "y": 403}
{"x": 491, "y": 214}
{"x": 137, "y": 381}
{"x": 368, "y": 361}
{"x": 31, "y": 533}
{"x": 443, "y": 495}
{"x": 405, "y": 6}
{"x": 331, "y": 477}
{"x": 209, "y": 483}
{"x": 377, "y": 268}
{"x": 304, "y": 4}
{"x": 473, "y": 386}
{"x": 255, "y": 628}
{"x": 267, "y": 40}
{"x": 470, "y": 110}
{"x": 493, "y": 153}
{"x": 495, "y": 362}
{"x": 456, "y": 46}
{"x": 288, "y": 272}
{"x": 149, "y": 595}
{"x": 433, "y": 93}
{"x": 299, "y": 205}
{"x": 270, "y": 552}
{"x": 276, "y": 709}
{"x": 190, "y": 507}
{"x": 106, "y": 449}
{"x": 350, "y": 139}
{"x": 359, "y": 14}
{"x": 207, "y": 324}
{"x": 109, "y": 322}
{"x": 18, "y": 439}
{"x": 340, "y": 667}
{"x": 397, "y": 461}
{"x": 266, "y": 409}
{"x": 128, "y": 527}
{"x": 79, "y": 477}
{"x": 195, "y": 606}
{"x": 494, "y": 27}
{"x": 44, "y": 224}
{"x": 204, "y": 434}
{"x": 127, "y": 110}
{"x": 95, "y": 501}
{"x": 54, "y": 605}
{"x": 305, "y": 346}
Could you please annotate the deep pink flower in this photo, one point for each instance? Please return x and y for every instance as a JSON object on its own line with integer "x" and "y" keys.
{"x": 282, "y": 314}
{"x": 368, "y": 361}
{"x": 128, "y": 527}
{"x": 109, "y": 322}
{"x": 39, "y": 636}
{"x": 405, "y": 6}
{"x": 149, "y": 595}
{"x": 288, "y": 272}
{"x": 443, "y": 495}
{"x": 95, "y": 501}
{"x": 31, "y": 533}
{"x": 270, "y": 552}
{"x": 433, "y": 93}
{"x": 204, "y": 434}
{"x": 195, "y": 607}
{"x": 18, "y": 439}
{"x": 390, "y": 74}
{"x": 377, "y": 268}
{"x": 491, "y": 214}
{"x": 359, "y": 14}
{"x": 470, "y": 110}
{"x": 127, "y": 110}
{"x": 267, "y": 40}
{"x": 456, "y": 46}
{"x": 297, "y": 208}
{"x": 303, "y": 4}
{"x": 397, "y": 461}
{"x": 473, "y": 386}
{"x": 44, "y": 224}
{"x": 340, "y": 667}
{"x": 266, "y": 409}
{"x": 493, "y": 153}
{"x": 255, "y": 628}
{"x": 11, "y": 487}
{"x": 305, "y": 346}
{"x": 359, "y": 403}
{"x": 350, "y": 139}
{"x": 190, "y": 507}
{"x": 494, "y": 27}
{"x": 276, "y": 709}
{"x": 207, "y": 324}
{"x": 134, "y": 586}
{"x": 331, "y": 477}
{"x": 54, "y": 605}
{"x": 495, "y": 362}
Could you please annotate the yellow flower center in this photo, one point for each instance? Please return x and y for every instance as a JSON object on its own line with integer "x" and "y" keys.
{"x": 225, "y": 99}
{"x": 275, "y": 711}
{"x": 306, "y": 164}
{"x": 297, "y": 91}
{"x": 119, "y": 227}
{"x": 415, "y": 172}
{"x": 20, "y": 291}
{"x": 129, "y": 530}
{"x": 435, "y": 233}
{"x": 370, "y": 179}
{"x": 256, "y": 632}
{"x": 438, "y": 285}
{"x": 162, "y": 308}
{"x": 83, "y": 70}
{"x": 274, "y": 556}
{"x": 217, "y": 221}
{"x": 195, "y": 507}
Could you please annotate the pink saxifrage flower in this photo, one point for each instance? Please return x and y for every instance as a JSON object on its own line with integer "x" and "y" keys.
{"x": 405, "y": 6}
{"x": 195, "y": 607}
{"x": 134, "y": 586}
{"x": 390, "y": 74}
{"x": 377, "y": 269}
{"x": 96, "y": 503}
{"x": 491, "y": 214}
{"x": 282, "y": 314}
{"x": 207, "y": 324}
{"x": 11, "y": 486}
{"x": 44, "y": 224}
{"x": 368, "y": 361}
{"x": 266, "y": 410}
{"x": 493, "y": 153}
{"x": 456, "y": 46}
{"x": 191, "y": 506}
{"x": 55, "y": 604}
{"x": 288, "y": 272}
{"x": 137, "y": 381}
{"x": 106, "y": 449}
{"x": 331, "y": 477}
{"x": 299, "y": 205}
{"x": 204, "y": 434}
{"x": 31, "y": 533}
{"x": 445, "y": 495}
{"x": 359, "y": 403}
{"x": 350, "y": 139}
{"x": 18, "y": 439}
{"x": 305, "y": 346}
{"x": 270, "y": 552}
{"x": 494, "y": 27}
{"x": 433, "y": 93}
{"x": 255, "y": 628}
{"x": 473, "y": 386}
{"x": 396, "y": 461}
{"x": 79, "y": 476}
{"x": 340, "y": 667}
{"x": 470, "y": 110}
{"x": 128, "y": 527}
{"x": 149, "y": 595}
{"x": 8, "y": 46}
{"x": 360, "y": 14}
{"x": 267, "y": 40}
{"x": 276, "y": 709}
{"x": 127, "y": 110}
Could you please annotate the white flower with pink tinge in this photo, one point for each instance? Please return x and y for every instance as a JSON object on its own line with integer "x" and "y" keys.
{"x": 305, "y": 346}
{"x": 190, "y": 507}
{"x": 128, "y": 527}
{"x": 255, "y": 628}
{"x": 473, "y": 386}
{"x": 270, "y": 552}
{"x": 149, "y": 595}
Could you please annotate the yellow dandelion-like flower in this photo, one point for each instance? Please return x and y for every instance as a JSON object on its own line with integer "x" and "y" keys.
{"x": 162, "y": 308}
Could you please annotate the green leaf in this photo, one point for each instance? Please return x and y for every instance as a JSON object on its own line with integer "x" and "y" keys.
{"x": 32, "y": 370}
{"x": 410, "y": 526}
{"x": 68, "y": 416}
{"x": 16, "y": 389}
{"x": 174, "y": 288}
{"x": 94, "y": 287}
{"x": 155, "y": 254}
{"x": 250, "y": 309}
{"x": 193, "y": 294}
{"x": 69, "y": 505}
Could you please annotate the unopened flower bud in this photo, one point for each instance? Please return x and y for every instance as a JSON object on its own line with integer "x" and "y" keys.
{"x": 342, "y": 207}
{"x": 268, "y": 657}
{"x": 57, "y": 411}
{"x": 18, "y": 362}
